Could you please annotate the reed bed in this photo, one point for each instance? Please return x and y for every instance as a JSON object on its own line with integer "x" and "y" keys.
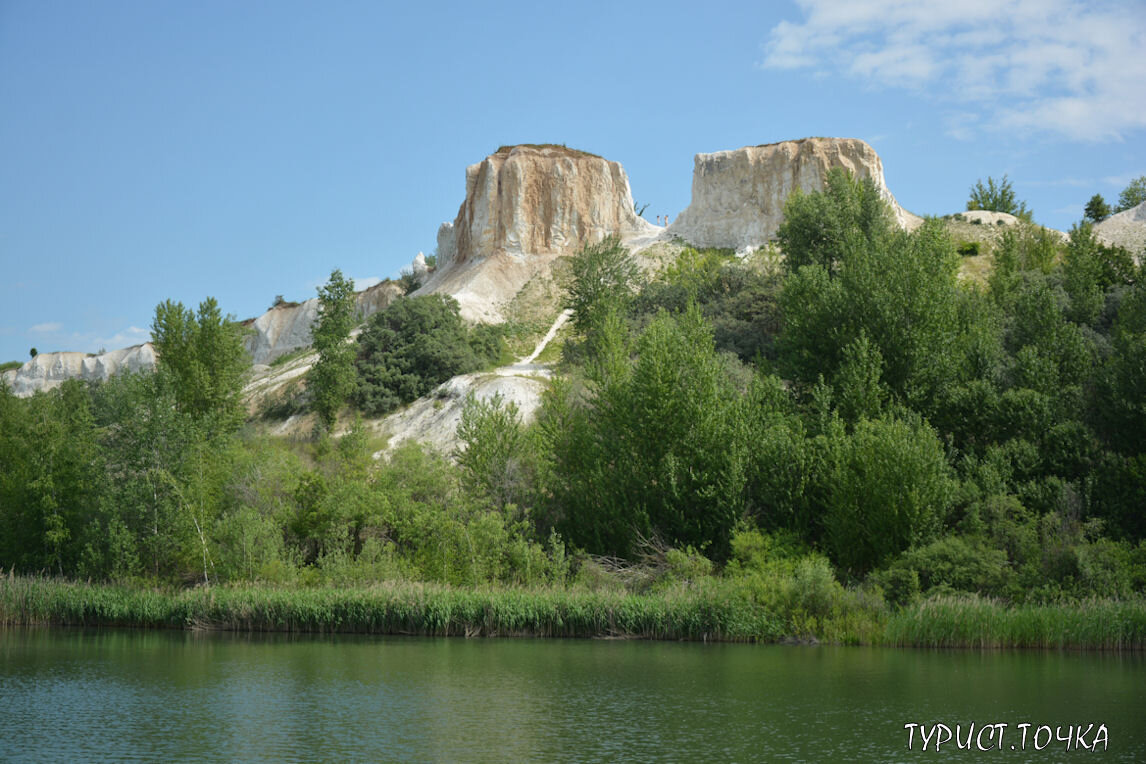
{"x": 972, "y": 621}
{"x": 708, "y": 613}
{"x": 714, "y": 612}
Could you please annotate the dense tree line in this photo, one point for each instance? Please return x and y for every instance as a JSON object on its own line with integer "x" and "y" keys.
{"x": 858, "y": 413}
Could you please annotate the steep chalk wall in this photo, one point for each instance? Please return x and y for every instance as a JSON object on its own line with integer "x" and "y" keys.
{"x": 49, "y": 370}
{"x": 286, "y": 328}
{"x": 538, "y": 200}
{"x": 277, "y": 332}
{"x": 1126, "y": 229}
{"x": 738, "y": 196}
{"x": 524, "y": 207}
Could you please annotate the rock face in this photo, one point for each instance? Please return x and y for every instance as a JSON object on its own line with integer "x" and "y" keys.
{"x": 738, "y": 196}
{"x": 279, "y": 331}
{"x": 524, "y": 206}
{"x": 1126, "y": 229}
{"x": 538, "y": 200}
{"x": 49, "y": 370}
{"x": 285, "y": 328}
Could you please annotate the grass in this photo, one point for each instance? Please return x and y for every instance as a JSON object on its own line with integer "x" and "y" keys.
{"x": 711, "y": 610}
{"x": 295, "y": 354}
{"x": 561, "y": 147}
{"x": 404, "y": 608}
{"x": 9, "y": 365}
{"x": 972, "y": 621}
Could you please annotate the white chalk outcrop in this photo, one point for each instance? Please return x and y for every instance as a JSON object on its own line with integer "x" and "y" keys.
{"x": 281, "y": 330}
{"x": 1126, "y": 229}
{"x": 49, "y": 370}
{"x": 738, "y": 196}
{"x": 286, "y": 328}
{"x": 524, "y": 207}
{"x": 434, "y": 419}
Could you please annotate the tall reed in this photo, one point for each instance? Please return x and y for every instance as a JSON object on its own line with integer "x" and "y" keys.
{"x": 702, "y": 613}
{"x": 972, "y": 621}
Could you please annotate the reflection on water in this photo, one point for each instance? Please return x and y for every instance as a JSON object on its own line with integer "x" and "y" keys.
{"x": 127, "y": 695}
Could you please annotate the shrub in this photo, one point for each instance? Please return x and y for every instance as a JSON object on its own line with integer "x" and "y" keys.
{"x": 968, "y": 248}
{"x": 959, "y": 564}
{"x": 996, "y": 197}
{"x": 410, "y": 348}
{"x": 900, "y": 585}
{"x": 1133, "y": 195}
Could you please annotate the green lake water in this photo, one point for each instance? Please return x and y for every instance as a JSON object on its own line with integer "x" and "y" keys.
{"x": 70, "y": 695}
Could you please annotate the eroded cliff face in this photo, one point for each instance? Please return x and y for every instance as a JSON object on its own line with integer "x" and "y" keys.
{"x": 1126, "y": 229}
{"x": 279, "y": 331}
{"x": 538, "y": 200}
{"x": 524, "y": 207}
{"x": 50, "y": 370}
{"x": 286, "y": 328}
{"x": 738, "y": 196}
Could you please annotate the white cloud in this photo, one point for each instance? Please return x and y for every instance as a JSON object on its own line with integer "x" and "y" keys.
{"x": 366, "y": 283}
{"x": 54, "y": 326}
{"x": 132, "y": 335}
{"x": 1070, "y": 68}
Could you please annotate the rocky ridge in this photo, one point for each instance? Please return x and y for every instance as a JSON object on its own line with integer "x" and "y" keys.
{"x": 286, "y": 327}
{"x": 1126, "y": 229}
{"x": 50, "y": 370}
{"x": 283, "y": 329}
{"x": 524, "y": 207}
{"x": 738, "y": 196}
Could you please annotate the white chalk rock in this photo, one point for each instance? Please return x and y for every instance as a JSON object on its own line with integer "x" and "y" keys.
{"x": 738, "y": 196}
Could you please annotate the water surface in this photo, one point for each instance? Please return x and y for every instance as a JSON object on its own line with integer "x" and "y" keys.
{"x": 68, "y": 695}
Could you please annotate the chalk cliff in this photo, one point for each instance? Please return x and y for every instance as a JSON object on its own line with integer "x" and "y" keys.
{"x": 1126, "y": 229}
{"x": 286, "y": 328}
{"x": 281, "y": 330}
{"x": 738, "y": 196}
{"x": 525, "y": 206}
{"x": 49, "y": 370}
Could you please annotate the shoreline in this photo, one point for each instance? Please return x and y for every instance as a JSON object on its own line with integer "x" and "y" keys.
{"x": 714, "y": 613}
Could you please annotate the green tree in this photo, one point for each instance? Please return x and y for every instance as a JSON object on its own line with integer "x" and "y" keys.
{"x": 603, "y": 276}
{"x": 498, "y": 459}
{"x": 1121, "y": 394}
{"x": 168, "y": 466}
{"x": 51, "y": 477}
{"x": 825, "y": 228}
{"x": 887, "y": 488}
{"x": 203, "y": 355}
{"x": 410, "y": 348}
{"x": 902, "y": 294}
{"x": 658, "y": 447}
{"x": 1096, "y": 209}
{"x": 997, "y": 197}
{"x": 1133, "y": 195}
{"x": 332, "y": 379}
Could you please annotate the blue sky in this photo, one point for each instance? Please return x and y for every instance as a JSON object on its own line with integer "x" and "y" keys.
{"x": 153, "y": 149}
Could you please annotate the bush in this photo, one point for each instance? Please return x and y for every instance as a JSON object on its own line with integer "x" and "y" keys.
{"x": 996, "y": 197}
{"x": 959, "y": 564}
{"x": 410, "y": 348}
{"x": 900, "y": 585}
{"x": 886, "y": 490}
{"x": 968, "y": 248}
{"x": 1133, "y": 195}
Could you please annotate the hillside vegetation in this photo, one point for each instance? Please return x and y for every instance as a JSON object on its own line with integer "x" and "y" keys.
{"x": 852, "y": 444}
